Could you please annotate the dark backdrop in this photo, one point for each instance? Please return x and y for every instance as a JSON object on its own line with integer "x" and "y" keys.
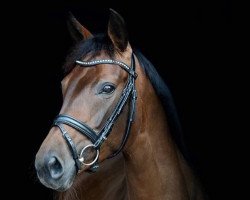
{"x": 189, "y": 42}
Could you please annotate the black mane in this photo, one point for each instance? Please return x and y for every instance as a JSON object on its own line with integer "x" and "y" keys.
{"x": 95, "y": 45}
{"x": 168, "y": 103}
{"x": 92, "y": 46}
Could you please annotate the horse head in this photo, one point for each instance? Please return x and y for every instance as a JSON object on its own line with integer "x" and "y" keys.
{"x": 98, "y": 99}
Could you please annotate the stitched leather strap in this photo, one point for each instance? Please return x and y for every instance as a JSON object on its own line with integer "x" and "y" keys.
{"x": 78, "y": 125}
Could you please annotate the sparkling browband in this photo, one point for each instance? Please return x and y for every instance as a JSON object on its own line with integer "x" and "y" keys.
{"x": 107, "y": 61}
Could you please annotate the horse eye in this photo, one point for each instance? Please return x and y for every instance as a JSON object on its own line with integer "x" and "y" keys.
{"x": 108, "y": 89}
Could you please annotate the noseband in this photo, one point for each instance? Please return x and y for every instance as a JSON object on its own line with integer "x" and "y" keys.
{"x": 97, "y": 138}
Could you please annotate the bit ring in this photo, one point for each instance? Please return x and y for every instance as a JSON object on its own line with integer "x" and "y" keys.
{"x": 81, "y": 158}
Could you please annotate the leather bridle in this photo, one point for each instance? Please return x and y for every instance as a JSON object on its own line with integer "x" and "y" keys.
{"x": 97, "y": 139}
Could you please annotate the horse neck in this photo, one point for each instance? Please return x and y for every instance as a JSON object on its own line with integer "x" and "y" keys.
{"x": 155, "y": 168}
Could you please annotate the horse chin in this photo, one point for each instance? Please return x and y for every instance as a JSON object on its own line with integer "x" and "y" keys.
{"x": 64, "y": 187}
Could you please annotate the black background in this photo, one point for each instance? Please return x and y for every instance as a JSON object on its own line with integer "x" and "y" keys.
{"x": 189, "y": 42}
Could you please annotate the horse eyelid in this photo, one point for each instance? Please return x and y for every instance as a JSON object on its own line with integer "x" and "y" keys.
{"x": 100, "y": 89}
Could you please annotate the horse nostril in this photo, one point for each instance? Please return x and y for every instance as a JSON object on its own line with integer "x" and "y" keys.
{"x": 55, "y": 168}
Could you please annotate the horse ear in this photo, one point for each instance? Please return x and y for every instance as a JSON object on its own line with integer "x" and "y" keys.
{"x": 77, "y": 31}
{"x": 117, "y": 31}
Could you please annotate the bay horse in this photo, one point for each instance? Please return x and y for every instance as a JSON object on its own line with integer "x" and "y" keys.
{"x": 115, "y": 105}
